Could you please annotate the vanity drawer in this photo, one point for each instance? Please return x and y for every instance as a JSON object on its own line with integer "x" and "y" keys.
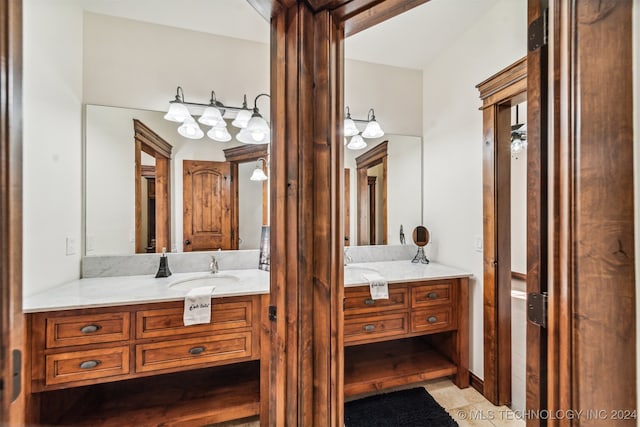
{"x": 433, "y": 294}
{"x": 193, "y": 351}
{"x": 86, "y": 365}
{"x": 358, "y": 300}
{"x": 434, "y": 319}
{"x": 65, "y": 331}
{"x": 169, "y": 321}
{"x": 370, "y": 328}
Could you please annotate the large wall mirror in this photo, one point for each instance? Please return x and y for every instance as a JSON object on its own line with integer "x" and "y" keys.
{"x": 383, "y": 190}
{"x": 140, "y": 173}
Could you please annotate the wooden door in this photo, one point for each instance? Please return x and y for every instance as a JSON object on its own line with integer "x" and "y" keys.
{"x": 347, "y": 206}
{"x": 207, "y": 205}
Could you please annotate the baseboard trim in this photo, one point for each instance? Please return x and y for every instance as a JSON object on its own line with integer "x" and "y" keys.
{"x": 476, "y": 382}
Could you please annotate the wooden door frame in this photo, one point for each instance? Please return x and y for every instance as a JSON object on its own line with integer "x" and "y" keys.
{"x": 591, "y": 260}
{"x": 376, "y": 156}
{"x": 13, "y": 394}
{"x": 498, "y": 93}
{"x": 305, "y": 370}
{"x": 146, "y": 140}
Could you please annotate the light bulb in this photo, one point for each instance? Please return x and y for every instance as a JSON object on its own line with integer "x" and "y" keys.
{"x": 373, "y": 130}
{"x": 350, "y": 128}
{"x": 257, "y": 135}
{"x": 178, "y": 112}
{"x": 242, "y": 119}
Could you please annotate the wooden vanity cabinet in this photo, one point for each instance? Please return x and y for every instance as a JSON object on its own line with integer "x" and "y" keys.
{"x": 212, "y": 370}
{"x": 419, "y": 333}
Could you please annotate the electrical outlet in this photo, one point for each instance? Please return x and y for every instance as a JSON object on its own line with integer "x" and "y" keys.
{"x": 72, "y": 246}
{"x": 91, "y": 243}
{"x": 478, "y": 244}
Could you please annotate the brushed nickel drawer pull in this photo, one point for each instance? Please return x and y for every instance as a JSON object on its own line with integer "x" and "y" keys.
{"x": 369, "y": 328}
{"x": 89, "y": 329}
{"x": 369, "y": 301}
{"x": 432, "y": 319}
{"x": 196, "y": 350}
{"x": 89, "y": 364}
{"x": 432, "y": 295}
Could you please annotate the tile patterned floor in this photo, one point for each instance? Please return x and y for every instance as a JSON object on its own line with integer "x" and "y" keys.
{"x": 467, "y": 407}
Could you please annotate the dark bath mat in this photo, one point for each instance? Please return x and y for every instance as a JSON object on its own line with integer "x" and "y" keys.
{"x": 411, "y": 408}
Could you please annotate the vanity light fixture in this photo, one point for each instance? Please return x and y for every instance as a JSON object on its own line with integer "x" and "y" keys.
{"x": 350, "y": 128}
{"x": 258, "y": 174}
{"x": 356, "y": 143}
{"x": 254, "y": 128}
{"x": 372, "y": 130}
{"x": 257, "y": 130}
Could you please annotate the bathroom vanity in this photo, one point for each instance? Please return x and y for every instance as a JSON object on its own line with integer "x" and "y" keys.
{"x": 138, "y": 364}
{"x": 113, "y": 351}
{"x": 421, "y": 332}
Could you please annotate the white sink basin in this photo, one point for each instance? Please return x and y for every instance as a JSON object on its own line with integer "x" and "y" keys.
{"x": 357, "y": 270}
{"x": 210, "y": 280}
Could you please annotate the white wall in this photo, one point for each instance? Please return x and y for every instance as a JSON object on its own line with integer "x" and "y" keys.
{"x": 52, "y": 169}
{"x": 453, "y": 143}
{"x": 519, "y": 204}
{"x": 250, "y": 207}
{"x": 394, "y": 93}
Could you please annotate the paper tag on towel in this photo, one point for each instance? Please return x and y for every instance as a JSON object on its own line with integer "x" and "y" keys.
{"x": 378, "y": 286}
{"x": 197, "y": 306}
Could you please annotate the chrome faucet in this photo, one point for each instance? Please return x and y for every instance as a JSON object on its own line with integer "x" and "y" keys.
{"x": 347, "y": 258}
{"x": 214, "y": 265}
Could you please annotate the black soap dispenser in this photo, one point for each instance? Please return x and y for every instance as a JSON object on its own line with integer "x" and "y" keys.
{"x": 163, "y": 269}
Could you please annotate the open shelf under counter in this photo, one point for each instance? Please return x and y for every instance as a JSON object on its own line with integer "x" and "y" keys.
{"x": 198, "y": 397}
{"x": 382, "y": 365}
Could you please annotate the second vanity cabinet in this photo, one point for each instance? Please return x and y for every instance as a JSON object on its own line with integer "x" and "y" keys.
{"x": 419, "y": 333}
{"x": 212, "y": 370}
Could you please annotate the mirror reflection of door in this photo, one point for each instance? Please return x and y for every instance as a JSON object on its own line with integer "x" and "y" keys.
{"x": 148, "y": 204}
{"x": 372, "y": 196}
{"x": 152, "y": 178}
{"x": 207, "y": 206}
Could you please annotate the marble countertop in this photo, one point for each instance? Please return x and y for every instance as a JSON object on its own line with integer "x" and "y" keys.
{"x": 141, "y": 289}
{"x": 399, "y": 271}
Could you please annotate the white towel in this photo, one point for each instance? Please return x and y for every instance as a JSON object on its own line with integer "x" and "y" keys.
{"x": 378, "y": 286}
{"x": 197, "y": 306}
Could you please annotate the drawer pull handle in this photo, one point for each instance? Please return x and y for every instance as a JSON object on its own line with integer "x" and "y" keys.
{"x": 196, "y": 350}
{"x": 432, "y": 319}
{"x": 89, "y": 329}
{"x": 369, "y": 301}
{"x": 369, "y": 328}
{"x": 89, "y": 364}
{"x": 432, "y": 295}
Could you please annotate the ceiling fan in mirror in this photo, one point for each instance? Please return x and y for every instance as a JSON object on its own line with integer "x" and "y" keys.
{"x": 254, "y": 129}
{"x": 518, "y": 137}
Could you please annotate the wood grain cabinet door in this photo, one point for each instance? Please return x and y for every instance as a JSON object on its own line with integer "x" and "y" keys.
{"x": 207, "y": 205}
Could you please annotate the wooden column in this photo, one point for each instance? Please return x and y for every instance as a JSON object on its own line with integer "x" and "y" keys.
{"x": 12, "y": 356}
{"x": 306, "y": 384}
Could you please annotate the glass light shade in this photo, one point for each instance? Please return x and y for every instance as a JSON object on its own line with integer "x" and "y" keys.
{"x": 350, "y": 128}
{"x": 518, "y": 145}
{"x": 356, "y": 143}
{"x": 242, "y": 119}
{"x": 211, "y": 117}
{"x": 190, "y": 129}
{"x": 256, "y": 132}
{"x": 258, "y": 175}
{"x": 219, "y": 133}
{"x": 177, "y": 112}
{"x": 373, "y": 130}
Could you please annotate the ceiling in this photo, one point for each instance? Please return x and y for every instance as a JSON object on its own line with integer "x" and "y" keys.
{"x": 410, "y": 40}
